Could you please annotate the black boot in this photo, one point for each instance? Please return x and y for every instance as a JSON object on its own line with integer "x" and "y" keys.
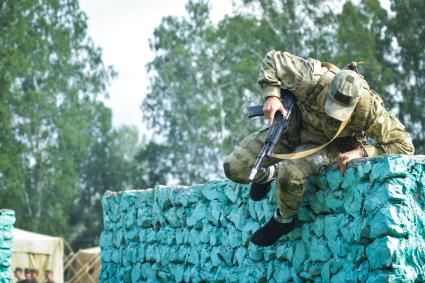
{"x": 259, "y": 191}
{"x": 271, "y": 232}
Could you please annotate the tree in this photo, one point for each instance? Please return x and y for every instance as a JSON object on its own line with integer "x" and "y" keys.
{"x": 151, "y": 166}
{"x": 109, "y": 166}
{"x": 51, "y": 76}
{"x": 407, "y": 28}
{"x": 180, "y": 101}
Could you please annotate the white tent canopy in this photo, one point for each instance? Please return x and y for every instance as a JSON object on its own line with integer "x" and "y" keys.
{"x": 32, "y": 250}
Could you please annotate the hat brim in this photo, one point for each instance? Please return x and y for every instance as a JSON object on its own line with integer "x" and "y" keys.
{"x": 337, "y": 110}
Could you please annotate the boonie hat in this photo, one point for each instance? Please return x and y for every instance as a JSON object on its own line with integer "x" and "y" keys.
{"x": 344, "y": 93}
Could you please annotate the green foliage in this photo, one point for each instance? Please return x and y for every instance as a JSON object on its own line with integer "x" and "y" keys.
{"x": 109, "y": 166}
{"x": 407, "y": 28}
{"x": 58, "y": 151}
{"x": 151, "y": 166}
{"x": 181, "y": 101}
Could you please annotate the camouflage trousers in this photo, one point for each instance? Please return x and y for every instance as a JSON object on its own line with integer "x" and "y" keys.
{"x": 291, "y": 174}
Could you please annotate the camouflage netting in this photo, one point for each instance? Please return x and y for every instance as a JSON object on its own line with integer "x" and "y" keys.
{"x": 365, "y": 227}
{"x": 7, "y": 219}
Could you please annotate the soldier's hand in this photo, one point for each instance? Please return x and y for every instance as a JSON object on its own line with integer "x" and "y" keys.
{"x": 344, "y": 158}
{"x": 270, "y": 107}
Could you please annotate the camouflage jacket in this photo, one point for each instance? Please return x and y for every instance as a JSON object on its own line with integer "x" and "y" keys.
{"x": 370, "y": 120}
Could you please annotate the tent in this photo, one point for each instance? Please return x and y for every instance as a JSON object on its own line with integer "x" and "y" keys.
{"x": 32, "y": 250}
{"x": 84, "y": 266}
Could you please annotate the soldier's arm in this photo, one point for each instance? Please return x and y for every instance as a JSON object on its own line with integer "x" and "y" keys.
{"x": 390, "y": 135}
{"x": 285, "y": 70}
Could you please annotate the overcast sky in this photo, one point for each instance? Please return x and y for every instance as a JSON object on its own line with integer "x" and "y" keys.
{"x": 122, "y": 29}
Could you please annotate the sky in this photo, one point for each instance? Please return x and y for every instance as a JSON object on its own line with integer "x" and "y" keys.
{"x": 122, "y": 29}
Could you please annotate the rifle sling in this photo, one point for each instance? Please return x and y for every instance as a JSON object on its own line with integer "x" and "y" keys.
{"x": 308, "y": 152}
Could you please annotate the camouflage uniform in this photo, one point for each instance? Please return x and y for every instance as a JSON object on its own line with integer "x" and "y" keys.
{"x": 308, "y": 80}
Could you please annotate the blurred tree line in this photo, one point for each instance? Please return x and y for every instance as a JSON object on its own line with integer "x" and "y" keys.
{"x": 59, "y": 151}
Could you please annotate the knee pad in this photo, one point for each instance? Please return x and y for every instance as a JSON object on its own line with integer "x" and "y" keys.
{"x": 234, "y": 174}
{"x": 227, "y": 170}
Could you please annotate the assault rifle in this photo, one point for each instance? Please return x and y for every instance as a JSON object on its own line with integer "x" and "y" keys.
{"x": 276, "y": 130}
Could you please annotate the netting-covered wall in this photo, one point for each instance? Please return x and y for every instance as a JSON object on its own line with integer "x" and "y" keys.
{"x": 365, "y": 227}
{"x": 7, "y": 219}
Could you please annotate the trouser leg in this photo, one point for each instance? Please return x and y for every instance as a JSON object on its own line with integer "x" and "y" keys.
{"x": 292, "y": 175}
{"x": 238, "y": 164}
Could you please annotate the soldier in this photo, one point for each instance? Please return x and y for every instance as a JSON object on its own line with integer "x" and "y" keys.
{"x": 48, "y": 274}
{"x": 18, "y": 272}
{"x": 34, "y": 275}
{"x": 27, "y": 275}
{"x": 336, "y": 109}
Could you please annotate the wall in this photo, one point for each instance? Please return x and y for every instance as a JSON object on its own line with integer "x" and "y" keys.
{"x": 7, "y": 219}
{"x": 365, "y": 227}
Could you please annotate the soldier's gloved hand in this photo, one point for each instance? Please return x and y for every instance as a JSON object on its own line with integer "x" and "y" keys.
{"x": 270, "y": 107}
{"x": 344, "y": 158}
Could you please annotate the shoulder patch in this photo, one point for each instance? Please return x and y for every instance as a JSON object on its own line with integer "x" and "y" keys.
{"x": 349, "y": 79}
